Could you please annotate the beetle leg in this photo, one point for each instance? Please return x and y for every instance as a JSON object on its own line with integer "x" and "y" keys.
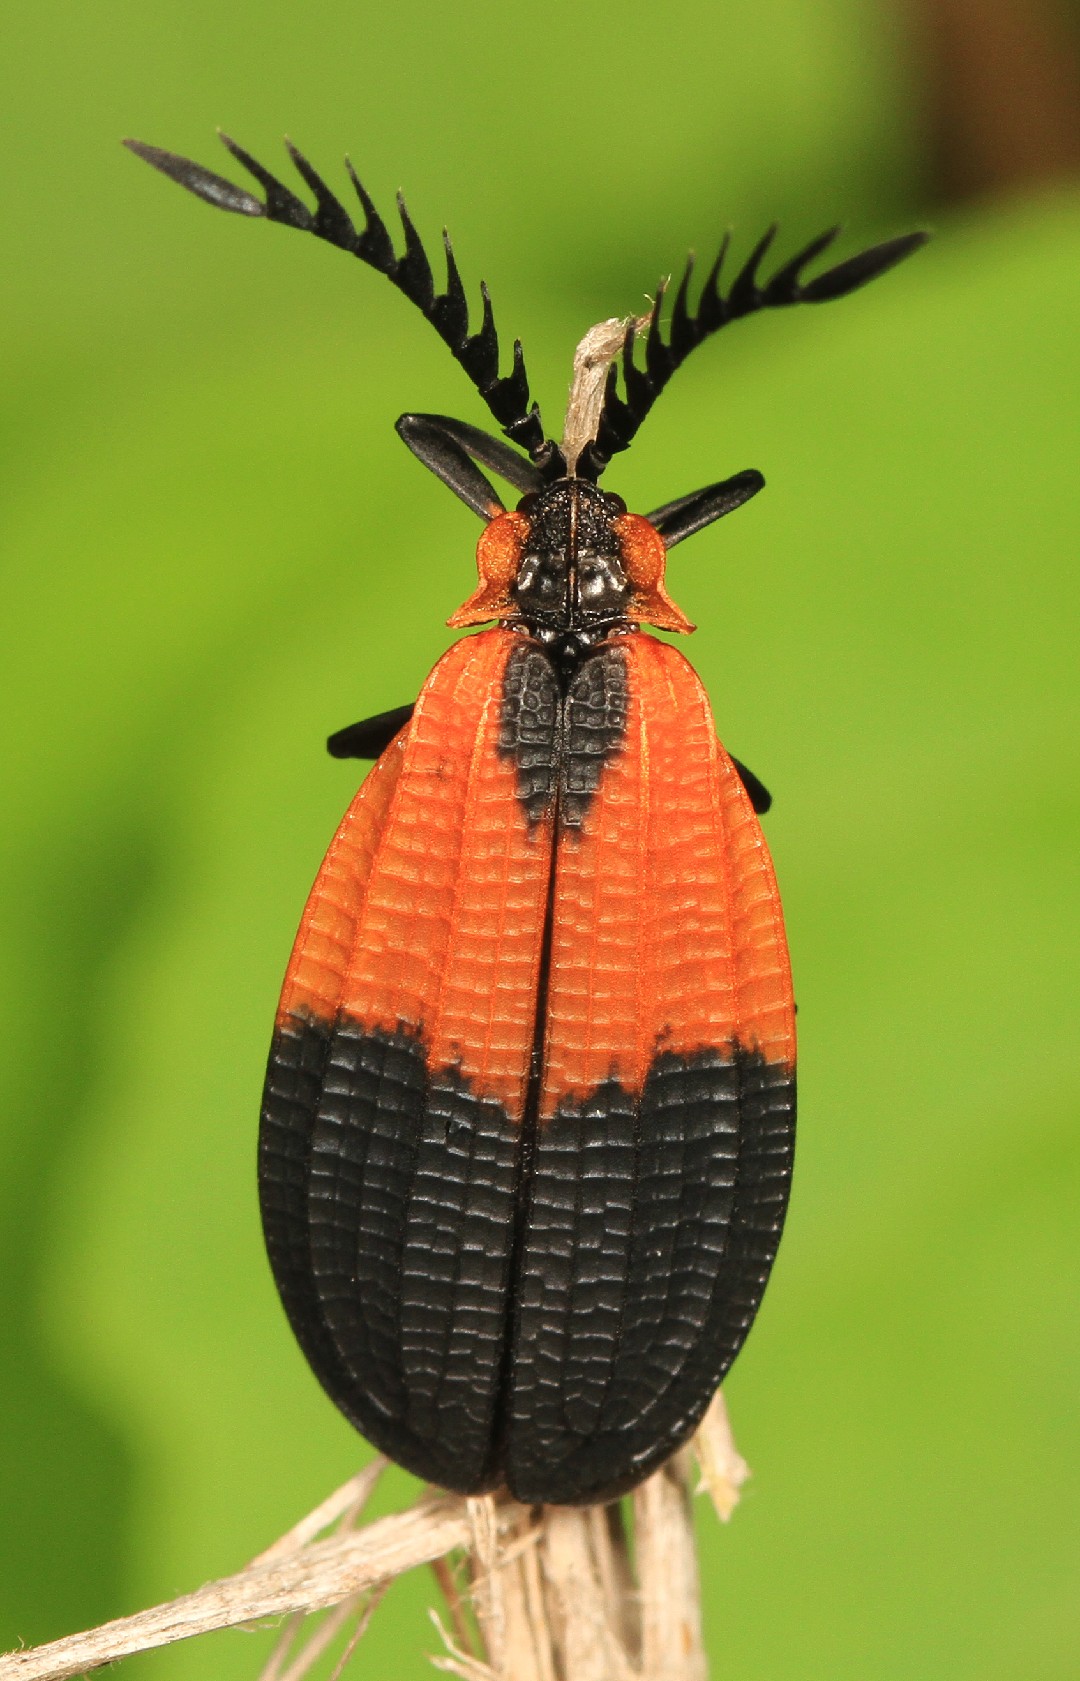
{"x": 687, "y": 514}
{"x": 760, "y": 798}
{"x": 370, "y": 737}
{"x": 451, "y": 449}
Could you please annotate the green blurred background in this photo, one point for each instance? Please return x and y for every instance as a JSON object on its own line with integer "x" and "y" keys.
{"x": 216, "y": 551}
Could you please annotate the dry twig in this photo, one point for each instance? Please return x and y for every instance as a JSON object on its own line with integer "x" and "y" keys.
{"x": 552, "y": 1589}
{"x": 592, "y": 358}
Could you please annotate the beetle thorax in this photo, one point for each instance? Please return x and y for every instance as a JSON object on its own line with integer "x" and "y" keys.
{"x": 570, "y": 562}
{"x": 571, "y": 575}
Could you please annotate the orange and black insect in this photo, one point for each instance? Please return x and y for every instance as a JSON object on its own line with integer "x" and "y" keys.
{"x": 529, "y": 1116}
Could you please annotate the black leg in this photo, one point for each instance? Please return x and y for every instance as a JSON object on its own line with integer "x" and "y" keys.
{"x": 760, "y": 798}
{"x": 501, "y": 459}
{"x": 687, "y": 514}
{"x": 370, "y": 737}
{"x": 451, "y": 449}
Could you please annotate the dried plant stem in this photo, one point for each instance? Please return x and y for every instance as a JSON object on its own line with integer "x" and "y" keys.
{"x": 312, "y": 1579}
{"x": 552, "y": 1589}
{"x": 592, "y": 359}
{"x": 671, "y": 1648}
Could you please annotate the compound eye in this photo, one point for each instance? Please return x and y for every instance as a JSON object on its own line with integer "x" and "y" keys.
{"x": 540, "y": 576}
{"x": 602, "y": 583}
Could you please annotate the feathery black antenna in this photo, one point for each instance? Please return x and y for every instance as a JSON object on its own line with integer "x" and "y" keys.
{"x": 478, "y": 353}
{"x": 622, "y": 415}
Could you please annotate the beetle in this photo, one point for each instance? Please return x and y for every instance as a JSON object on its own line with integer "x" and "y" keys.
{"x": 529, "y": 1114}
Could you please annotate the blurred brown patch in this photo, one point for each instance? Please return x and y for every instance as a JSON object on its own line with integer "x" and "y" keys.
{"x": 1001, "y": 81}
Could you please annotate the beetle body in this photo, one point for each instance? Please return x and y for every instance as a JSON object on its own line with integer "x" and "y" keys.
{"x": 529, "y": 1117}
{"x": 528, "y": 1124}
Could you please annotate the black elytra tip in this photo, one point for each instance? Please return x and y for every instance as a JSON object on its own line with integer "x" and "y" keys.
{"x": 647, "y": 1237}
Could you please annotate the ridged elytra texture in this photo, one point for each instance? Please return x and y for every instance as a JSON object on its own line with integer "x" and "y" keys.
{"x": 653, "y": 1222}
{"x": 372, "y": 1171}
{"x": 648, "y": 1232}
{"x": 529, "y": 1115}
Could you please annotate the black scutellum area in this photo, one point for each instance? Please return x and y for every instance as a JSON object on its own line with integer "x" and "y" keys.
{"x": 561, "y": 732}
{"x": 391, "y": 1209}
